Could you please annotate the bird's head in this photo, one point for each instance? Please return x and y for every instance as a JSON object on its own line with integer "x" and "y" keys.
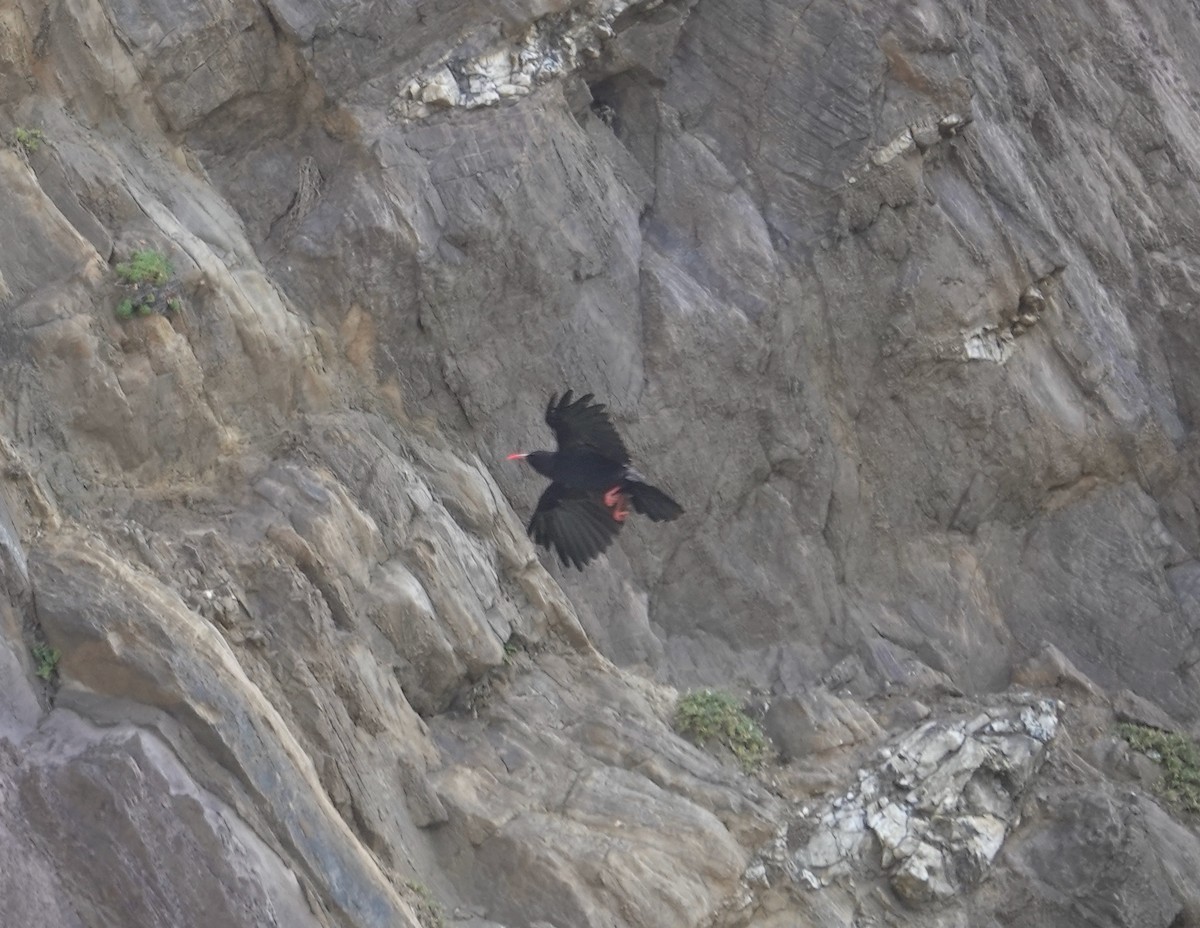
{"x": 541, "y": 461}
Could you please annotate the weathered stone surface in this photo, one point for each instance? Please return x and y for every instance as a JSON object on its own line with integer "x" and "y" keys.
{"x": 898, "y": 300}
{"x": 154, "y": 848}
{"x": 574, "y": 805}
{"x": 1095, "y": 861}
{"x": 816, "y": 721}
{"x": 143, "y": 646}
{"x": 1078, "y": 567}
{"x": 1049, "y": 668}
{"x": 1128, "y": 706}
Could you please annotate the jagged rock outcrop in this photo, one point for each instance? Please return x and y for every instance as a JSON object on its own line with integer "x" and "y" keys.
{"x": 938, "y": 807}
{"x": 899, "y": 302}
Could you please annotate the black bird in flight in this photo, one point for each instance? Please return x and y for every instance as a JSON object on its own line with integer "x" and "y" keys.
{"x": 592, "y": 483}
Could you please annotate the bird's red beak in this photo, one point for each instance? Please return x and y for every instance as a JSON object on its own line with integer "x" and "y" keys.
{"x": 519, "y": 456}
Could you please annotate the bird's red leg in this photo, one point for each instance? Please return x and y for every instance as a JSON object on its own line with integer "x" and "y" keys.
{"x": 617, "y": 502}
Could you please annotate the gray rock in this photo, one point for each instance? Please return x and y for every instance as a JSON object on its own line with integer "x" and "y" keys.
{"x": 816, "y": 721}
{"x": 1130, "y": 707}
{"x": 123, "y": 636}
{"x": 1051, "y": 669}
{"x": 896, "y": 300}
{"x": 156, "y": 849}
{"x": 1094, "y": 859}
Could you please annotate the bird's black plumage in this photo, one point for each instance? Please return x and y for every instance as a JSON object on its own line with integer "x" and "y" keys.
{"x": 592, "y": 483}
{"x": 573, "y": 522}
{"x": 584, "y": 426}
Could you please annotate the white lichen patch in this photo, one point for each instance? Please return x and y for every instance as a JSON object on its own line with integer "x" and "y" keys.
{"x": 552, "y": 46}
{"x": 938, "y": 806}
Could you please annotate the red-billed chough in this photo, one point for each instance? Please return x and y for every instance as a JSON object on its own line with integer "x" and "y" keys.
{"x": 592, "y": 483}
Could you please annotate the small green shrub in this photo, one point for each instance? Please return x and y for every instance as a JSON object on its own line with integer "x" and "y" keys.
{"x": 47, "y": 660}
{"x": 148, "y": 273}
{"x": 29, "y": 139}
{"x": 1177, "y": 755}
{"x": 512, "y": 647}
{"x": 146, "y": 266}
{"x": 428, "y": 909}
{"x": 709, "y": 715}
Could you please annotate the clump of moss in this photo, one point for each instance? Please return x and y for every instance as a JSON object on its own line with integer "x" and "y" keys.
{"x": 29, "y": 139}
{"x": 149, "y": 274}
{"x": 705, "y": 716}
{"x": 1177, "y": 755}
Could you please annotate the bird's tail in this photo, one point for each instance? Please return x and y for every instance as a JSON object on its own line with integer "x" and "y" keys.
{"x": 653, "y": 502}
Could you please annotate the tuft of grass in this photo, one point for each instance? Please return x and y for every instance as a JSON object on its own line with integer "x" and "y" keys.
{"x": 429, "y": 911}
{"x": 710, "y": 715}
{"x": 47, "y": 660}
{"x": 149, "y": 274}
{"x": 1177, "y": 755}
{"x": 29, "y": 139}
{"x": 145, "y": 266}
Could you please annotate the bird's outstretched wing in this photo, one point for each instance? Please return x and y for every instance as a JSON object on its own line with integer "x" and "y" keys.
{"x": 584, "y": 424}
{"x": 574, "y": 523}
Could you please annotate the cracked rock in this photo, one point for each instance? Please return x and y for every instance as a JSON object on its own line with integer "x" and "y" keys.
{"x": 940, "y": 804}
{"x": 555, "y": 45}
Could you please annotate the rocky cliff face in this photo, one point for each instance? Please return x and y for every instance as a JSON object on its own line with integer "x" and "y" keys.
{"x": 898, "y": 298}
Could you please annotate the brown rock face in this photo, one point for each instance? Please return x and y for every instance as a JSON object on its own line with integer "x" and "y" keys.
{"x": 898, "y": 300}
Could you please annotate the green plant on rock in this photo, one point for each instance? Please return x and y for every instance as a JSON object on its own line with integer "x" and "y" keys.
{"x": 705, "y": 716}
{"x": 145, "y": 266}
{"x": 47, "y": 660}
{"x": 512, "y": 647}
{"x": 428, "y": 909}
{"x": 29, "y": 139}
{"x": 149, "y": 274}
{"x": 1177, "y": 755}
